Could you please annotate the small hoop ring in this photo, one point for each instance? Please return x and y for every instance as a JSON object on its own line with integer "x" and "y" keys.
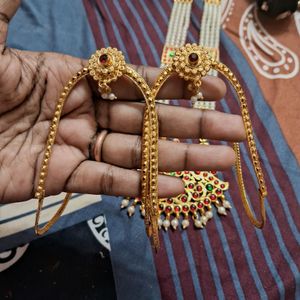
{"x": 98, "y": 145}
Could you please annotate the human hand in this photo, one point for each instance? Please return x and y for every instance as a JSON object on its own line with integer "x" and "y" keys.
{"x": 30, "y": 84}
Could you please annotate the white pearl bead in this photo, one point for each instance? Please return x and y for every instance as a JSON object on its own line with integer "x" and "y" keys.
{"x": 159, "y": 222}
{"x": 204, "y": 220}
{"x": 226, "y": 204}
{"x": 209, "y": 214}
{"x": 131, "y": 210}
{"x": 185, "y": 223}
{"x": 222, "y": 210}
{"x": 104, "y": 96}
{"x": 111, "y": 96}
{"x": 194, "y": 99}
{"x": 166, "y": 224}
{"x": 124, "y": 203}
{"x": 143, "y": 212}
{"x": 174, "y": 223}
{"x": 198, "y": 223}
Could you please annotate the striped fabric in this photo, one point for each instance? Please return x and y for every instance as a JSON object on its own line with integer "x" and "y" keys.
{"x": 229, "y": 259}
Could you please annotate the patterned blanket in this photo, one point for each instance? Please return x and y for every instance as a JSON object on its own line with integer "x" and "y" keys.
{"x": 229, "y": 259}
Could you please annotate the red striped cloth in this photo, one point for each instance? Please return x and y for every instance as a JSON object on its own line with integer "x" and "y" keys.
{"x": 229, "y": 259}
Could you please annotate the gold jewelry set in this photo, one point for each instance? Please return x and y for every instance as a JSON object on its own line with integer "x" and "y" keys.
{"x": 191, "y": 63}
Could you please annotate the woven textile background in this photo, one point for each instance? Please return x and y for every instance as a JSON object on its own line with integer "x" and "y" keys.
{"x": 229, "y": 259}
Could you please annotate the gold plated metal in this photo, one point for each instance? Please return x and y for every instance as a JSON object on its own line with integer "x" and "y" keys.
{"x": 190, "y": 62}
{"x": 106, "y": 66}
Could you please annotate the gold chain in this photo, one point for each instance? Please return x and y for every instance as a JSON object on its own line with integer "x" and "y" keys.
{"x": 252, "y": 148}
{"x": 40, "y": 191}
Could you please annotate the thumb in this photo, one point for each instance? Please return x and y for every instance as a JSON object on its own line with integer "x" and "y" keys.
{"x": 7, "y": 10}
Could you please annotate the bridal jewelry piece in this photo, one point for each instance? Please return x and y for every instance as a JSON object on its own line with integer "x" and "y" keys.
{"x": 106, "y": 66}
{"x": 200, "y": 187}
{"x": 191, "y": 63}
{"x": 203, "y": 190}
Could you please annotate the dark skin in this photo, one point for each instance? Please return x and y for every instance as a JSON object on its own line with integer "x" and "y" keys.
{"x": 30, "y": 84}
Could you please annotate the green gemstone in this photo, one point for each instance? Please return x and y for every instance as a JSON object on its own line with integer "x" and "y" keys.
{"x": 209, "y": 187}
{"x": 172, "y": 174}
{"x": 171, "y": 53}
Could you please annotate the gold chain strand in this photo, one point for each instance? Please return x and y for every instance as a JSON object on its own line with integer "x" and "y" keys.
{"x": 40, "y": 191}
{"x": 250, "y": 214}
{"x": 252, "y": 148}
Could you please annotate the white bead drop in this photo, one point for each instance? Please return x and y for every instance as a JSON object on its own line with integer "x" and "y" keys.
{"x": 198, "y": 223}
{"x": 185, "y": 223}
{"x": 166, "y": 224}
{"x": 143, "y": 212}
{"x": 104, "y": 96}
{"x": 124, "y": 203}
{"x": 222, "y": 210}
{"x": 174, "y": 223}
{"x": 112, "y": 96}
{"x": 209, "y": 214}
{"x": 204, "y": 220}
{"x": 130, "y": 210}
{"x": 159, "y": 222}
{"x": 226, "y": 204}
{"x": 194, "y": 99}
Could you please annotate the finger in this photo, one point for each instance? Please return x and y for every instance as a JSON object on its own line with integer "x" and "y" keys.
{"x": 100, "y": 178}
{"x": 7, "y": 9}
{"x": 174, "y": 121}
{"x": 125, "y": 151}
{"x": 213, "y": 88}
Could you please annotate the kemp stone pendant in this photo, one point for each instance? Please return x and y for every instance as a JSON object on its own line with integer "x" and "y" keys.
{"x": 203, "y": 191}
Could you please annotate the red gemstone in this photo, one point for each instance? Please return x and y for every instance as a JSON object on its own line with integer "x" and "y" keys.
{"x": 161, "y": 206}
{"x": 216, "y": 181}
{"x": 213, "y": 197}
{"x": 210, "y": 178}
{"x": 191, "y": 186}
{"x": 177, "y": 209}
{"x": 200, "y": 205}
{"x": 206, "y": 201}
{"x": 183, "y": 198}
{"x": 222, "y": 185}
{"x": 186, "y": 177}
{"x": 218, "y": 191}
{"x": 205, "y": 174}
{"x": 170, "y": 200}
{"x": 168, "y": 209}
{"x": 193, "y": 57}
{"x": 103, "y": 58}
{"x": 185, "y": 208}
{"x": 178, "y": 173}
{"x": 195, "y": 195}
{"x": 214, "y": 172}
{"x": 193, "y": 207}
{"x": 199, "y": 188}
{"x": 197, "y": 172}
{"x": 186, "y": 172}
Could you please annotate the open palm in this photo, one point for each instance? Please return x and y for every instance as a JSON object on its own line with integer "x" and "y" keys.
{"x": 30, "y": 84}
